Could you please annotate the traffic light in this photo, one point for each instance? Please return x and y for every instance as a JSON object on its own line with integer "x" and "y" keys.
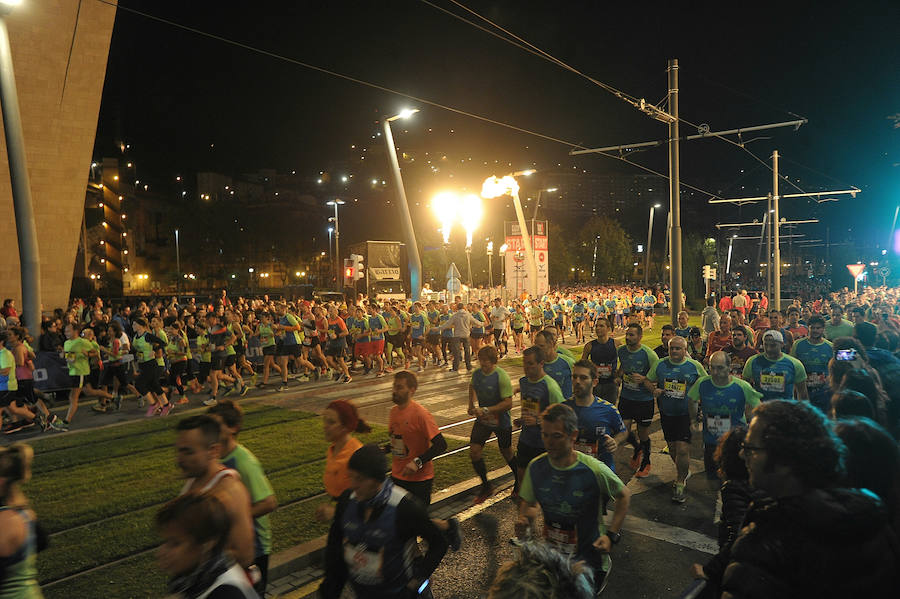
{"x": 706, "y": 270}
{"x": 349, "y": 279}
{"x": 359, "y": 269}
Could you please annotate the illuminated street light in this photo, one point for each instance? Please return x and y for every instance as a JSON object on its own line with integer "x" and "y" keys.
{"x": 409, "y": 234}
{"x": 337, "y": 240}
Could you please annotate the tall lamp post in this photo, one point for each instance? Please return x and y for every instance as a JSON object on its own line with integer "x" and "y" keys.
{"x": 490, "y": 255}
{"x": 503, "y": 250}
{"x": 26, "y": 231}
{"x": 493, "y": 188}
{"x": 337, "y": 241}
{"x": 409, "y": 235}
{"x": 177, "y": 264}
{"x": 649, "y": 239}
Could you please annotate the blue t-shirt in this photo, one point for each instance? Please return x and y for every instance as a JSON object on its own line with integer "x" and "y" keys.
{"x": 815, "y": 360}
{"x": 448, "y": 332}
{"x": 418, "y": 325}
{"x": 723, "y": 407}
{"x": 491, "y": 389}
{"x": 775, "y": 380}
{"x": 598, "y": 419}
{"x": 685, "y": 332}
{"x": 675, "y": 380}
{"x": 376, "y": 321}
{"x": 561, "y": 371}
{"x": 571, "y": 500}
{"x": 578, "y": 311}
{"x": 536, "y": 396}
{"x": 635, "y": 362}
{"x": 549, "y": 316}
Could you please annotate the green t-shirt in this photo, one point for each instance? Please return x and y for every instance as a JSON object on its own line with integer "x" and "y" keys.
{"x": 254, "y": 478}
{"x": 844, "y": 329}
{"x": 203, "y": 347}
{"x": 165, "y": 339}
{"x": 8, "y": 360}
{"x": 76, "y": 351}
{"x": 266, "y": 336}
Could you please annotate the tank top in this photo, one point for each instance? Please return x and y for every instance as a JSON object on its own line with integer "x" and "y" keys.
{"x": 212, "y": 482}
{"x": 604, "y": 357}
{"x": 20, "y": 568}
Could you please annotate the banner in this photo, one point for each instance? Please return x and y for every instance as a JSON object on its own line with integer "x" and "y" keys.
{"x": 516, "y": 265}
{"x": 50, "y": 372}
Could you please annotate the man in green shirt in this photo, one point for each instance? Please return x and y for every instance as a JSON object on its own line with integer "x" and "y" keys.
{"x": 838, "y": 326}
{"x": 262, "y": 497}
{"x": 77, "y": 351}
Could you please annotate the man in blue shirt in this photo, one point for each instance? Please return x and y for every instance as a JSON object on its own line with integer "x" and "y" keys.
{"x": 636, "y": 398}
{"x": 775, "y": 374}
{"x": 814, "y": 352}
{"x": 571, "y": 489}
{"x": 557, "y": 364}
{"x": 674, "y": 376}
{"x": 600, "y": 427}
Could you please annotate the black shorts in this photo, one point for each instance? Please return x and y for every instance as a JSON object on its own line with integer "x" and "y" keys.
{"x": 6, "y": 398}
{"x": 432, "y": 339}
{"x": 239, "y": 349}
{"x": 93, "y": 378}
{"x": 311, "y": 341}
{"x": 217, "y": 363}
{"x": 205, "y": 367}
{"x": 335, "y": 351}
{"x": 525, "y": 453}
{"x": 77, "y": 381}
{"x": 25, "y": 393}
{"x": 292, "y": 350}
{"x": 639, "y": 411}
{"x": 498, "y": 333}
{"x": 230, "y": 360}
{"x": 148, "y": 379}
{"x": 417, "y": 341}
{"x": 481, "y": 433}
{"x": 676, "y": 428}
{"x": 475, "y": 335}
{"x": 518, "y": 331}
{"x": 269, "y": 350}
{"x": 396, "y": 340}
{"x": 420, "y": 489}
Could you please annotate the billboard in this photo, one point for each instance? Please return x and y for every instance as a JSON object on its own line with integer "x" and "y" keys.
{"x": 516, "y": 266}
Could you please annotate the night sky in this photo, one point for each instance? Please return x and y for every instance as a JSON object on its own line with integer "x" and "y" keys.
{"x": 171, "y": 93}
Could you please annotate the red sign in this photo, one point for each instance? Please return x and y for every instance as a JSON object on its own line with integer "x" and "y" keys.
{"x": 855, "y": 269}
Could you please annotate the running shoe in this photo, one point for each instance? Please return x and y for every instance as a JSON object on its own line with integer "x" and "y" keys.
{"x": 379, "y": 374}
{"x": 260, "y": 385}
{"x": 389, "y": 368}
{"x": 454, "y": 535}
{"x": 283, "y": 388}
{"x": 227, "y": 391}
{"x": 166, "y": 409}
{"x": 183, "y": 400}
{"x": 12, "y": 427}
{"x": 151, "y": 410}
{"x": 636, "y": 458}
{"x": 210, "y": 402}
{"x": 315, "y": 374}
{"x": 141, "y": 402}
{"x": 421, "y": 369}
{"x": 253, "y": 379}
{"x": 348, "y": 379}
{"x": 303, "y": 378}
{"x": 483, "y": 494}
{"x": 58, "y": 425}
{"x": 118, "y": 402}
{"x": 678, "y": 493}
{"x": 243, "y": 391}
{"x": 644, "y": 471}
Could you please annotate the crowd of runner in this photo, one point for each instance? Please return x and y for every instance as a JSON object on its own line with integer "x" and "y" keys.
{"x": 798, "y": 410}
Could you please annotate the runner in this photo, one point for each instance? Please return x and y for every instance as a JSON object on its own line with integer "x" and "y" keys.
{"x": 774, "y": 374}
{"x": 636, "y": 399}
{"x": 815, "y": 352}
{"x": 490, "y": 399}
{"x": 674, "y": 376}
{"x": 377, "y": 327}
{"x": 499, "y": 317}
{"x": 572, "y": 489}
{"x": 219, "y": 338}
{"x": 269, "y": 347}
{"x": 557, "y": 364}
{"x": 337, "y": 345}
{"x": 291, "y": 342}
{"x": 418, "y": 326}
{"x": 78, "y": 351}
{"x": 538, "y": 390}
{"x": 600, "y": 426}
{"x": 738, "y": 351}
{"x": 726, "y": 401}
{"x": 20, "y": 540}
{"x": 602, "y": 354}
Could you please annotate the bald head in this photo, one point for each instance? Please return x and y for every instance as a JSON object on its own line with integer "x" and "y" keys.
{"x": 718, "y": 367}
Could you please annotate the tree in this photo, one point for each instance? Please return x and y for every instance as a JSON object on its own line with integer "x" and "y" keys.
{"x": 602, "y": 247}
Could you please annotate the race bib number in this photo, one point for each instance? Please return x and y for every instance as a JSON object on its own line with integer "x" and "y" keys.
{"x": 587, "y": 447}
{"x": 531, "y": 407}
{"x": 675, "y": 389}
{"x": 398, "y": 447}
{"x": 629, "y": 383}
{"x": 816, "y": 380}
{"x": 718, "y": 425}
{"x": 771, "y": 382}
{"x": 364, "y": 565}
{"x": 564, "y": 538}
{"x": 604, "y": 371}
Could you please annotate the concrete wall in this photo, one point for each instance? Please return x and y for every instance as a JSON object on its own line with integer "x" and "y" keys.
{"x": 59, "y": 49}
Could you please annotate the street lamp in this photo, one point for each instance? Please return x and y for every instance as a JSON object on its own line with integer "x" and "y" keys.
{"x": 337, "y": 240}
{"x": 495, "y": 187}
{"x": 649, "y": 238}
{"x": 503, "y": 250}
{"x": 177, "y": 264}
{"x": 538, "y": 204}
{"x": 490, "y": 255}
{"x": 26, "y": 231}
{"x": 409, "y": 235}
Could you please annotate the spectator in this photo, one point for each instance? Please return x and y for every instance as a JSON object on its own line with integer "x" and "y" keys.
{"x": 9, "y": 309}
{"x": 541, "y": 572}
{"x": 21, "y": 537}
{"x": 709, "y": 318}
{"x": 849, "y": 403}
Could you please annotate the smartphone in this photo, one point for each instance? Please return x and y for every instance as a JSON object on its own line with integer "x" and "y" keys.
{"x": 846, "y": 355}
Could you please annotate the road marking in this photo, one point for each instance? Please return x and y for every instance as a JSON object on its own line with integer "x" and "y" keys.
{"x": 671, "y": 534}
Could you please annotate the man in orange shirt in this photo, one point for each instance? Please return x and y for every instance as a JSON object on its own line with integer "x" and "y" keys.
{"x": 415, "y": 441}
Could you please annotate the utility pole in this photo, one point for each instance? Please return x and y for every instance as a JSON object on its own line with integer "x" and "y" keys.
{"x": 769, "y": 247}
{"x": 674, "y": 193}
{"x": 777, "y": 256}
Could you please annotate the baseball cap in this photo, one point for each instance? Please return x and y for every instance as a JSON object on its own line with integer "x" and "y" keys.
{"x": 774, "y": 335}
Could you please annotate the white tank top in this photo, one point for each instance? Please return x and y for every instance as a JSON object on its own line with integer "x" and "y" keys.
{"x": 212, "y": 482}
{"x": 234, "y": 576}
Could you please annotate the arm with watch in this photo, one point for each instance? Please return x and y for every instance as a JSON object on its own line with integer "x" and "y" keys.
{"x": 438, "y": 446}
{"x": 614, "y": 530}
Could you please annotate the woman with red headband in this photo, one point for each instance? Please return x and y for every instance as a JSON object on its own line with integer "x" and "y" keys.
{"x": 339, "y": 421}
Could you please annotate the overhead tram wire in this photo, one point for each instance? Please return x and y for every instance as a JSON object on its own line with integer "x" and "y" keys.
{"x": 382, "y": 88}
{"x": 616, "y": 92}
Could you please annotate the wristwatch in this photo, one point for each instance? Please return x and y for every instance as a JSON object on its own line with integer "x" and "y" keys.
{"x": 614, "y": 537}
{"x": 418, "y": 463}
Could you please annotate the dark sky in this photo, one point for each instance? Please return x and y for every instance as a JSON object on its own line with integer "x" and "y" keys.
{"x": 171, "y": 93}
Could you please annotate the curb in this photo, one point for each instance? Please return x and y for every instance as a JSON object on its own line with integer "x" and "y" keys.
{"x": 311, "y": 553}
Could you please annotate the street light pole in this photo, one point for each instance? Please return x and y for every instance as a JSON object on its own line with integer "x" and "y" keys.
{"x": 649, "y": 239}
{"x": 337, "y": 242}
{"x": 409, "y": 235}
{"x": 777, "y": 241}
{"x": 490, "y": 256}
{"x": 674, "y": 193}
{"x": 26, "y": 231}
{"x": 177, "y": 264}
